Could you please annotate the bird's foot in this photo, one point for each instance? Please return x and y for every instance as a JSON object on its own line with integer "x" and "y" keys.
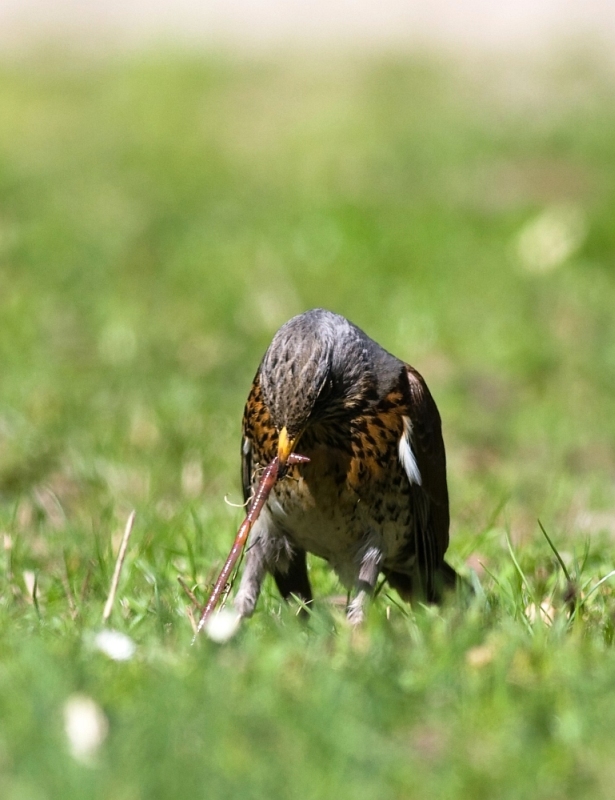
{"x": 245, "y": 601}
{"x": 355, "y": 613}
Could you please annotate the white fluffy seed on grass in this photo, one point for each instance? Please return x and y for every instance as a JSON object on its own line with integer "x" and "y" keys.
{"x": 115, "y": 645}
{"x": 86, "y": 727}
{"x": 546, "y": 612}
{"x": 480, "y": 656}
{"x": 549, "y": 240}
{"x": 222, "y": 625}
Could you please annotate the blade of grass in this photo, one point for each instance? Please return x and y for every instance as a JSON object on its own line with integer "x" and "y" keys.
{"x": 598, "y": 585}
{"x": 555, "y": 551}
{"x": 524, "y": 580}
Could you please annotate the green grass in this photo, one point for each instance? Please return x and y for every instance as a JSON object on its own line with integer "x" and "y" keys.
{"x": 159, "y": 218}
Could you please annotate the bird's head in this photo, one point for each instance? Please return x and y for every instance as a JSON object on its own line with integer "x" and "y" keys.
{"x": 311, "y": 370}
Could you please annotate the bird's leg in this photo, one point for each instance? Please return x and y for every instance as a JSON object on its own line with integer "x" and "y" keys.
{"x": 369, "y": 570}
{"x": 252, "y": 579}
{"x": 269, "y": 550}
{"x": 294, "y": 580}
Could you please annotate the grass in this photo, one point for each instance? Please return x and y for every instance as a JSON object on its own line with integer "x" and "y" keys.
{"x": 160, "y": 216}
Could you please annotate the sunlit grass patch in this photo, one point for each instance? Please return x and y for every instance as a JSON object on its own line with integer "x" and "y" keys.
{"x": 159, "y": 218}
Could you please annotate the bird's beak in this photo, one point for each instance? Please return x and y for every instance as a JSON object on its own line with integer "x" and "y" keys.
{"x": 286, "y": 445}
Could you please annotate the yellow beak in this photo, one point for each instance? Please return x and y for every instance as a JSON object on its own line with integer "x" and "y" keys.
{"x": 285, "y": 446}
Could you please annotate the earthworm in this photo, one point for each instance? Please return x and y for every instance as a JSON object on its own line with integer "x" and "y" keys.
{"x": 266, "y": 484}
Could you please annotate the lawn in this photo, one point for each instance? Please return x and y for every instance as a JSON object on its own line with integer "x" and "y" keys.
{"x": 160, "y": 216}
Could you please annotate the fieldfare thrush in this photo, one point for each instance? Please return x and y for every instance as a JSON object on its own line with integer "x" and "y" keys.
{"x": 373, "y": 498}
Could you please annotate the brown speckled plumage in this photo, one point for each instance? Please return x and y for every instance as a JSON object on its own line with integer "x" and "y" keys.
{"x": 374, "y": 496}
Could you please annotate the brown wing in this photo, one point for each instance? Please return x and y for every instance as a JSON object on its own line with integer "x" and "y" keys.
{"x": 246, "y": 467}
{"x": 247, "y": 440}
{"x": 259, "y": 437}
{"x": 428, "y": 447}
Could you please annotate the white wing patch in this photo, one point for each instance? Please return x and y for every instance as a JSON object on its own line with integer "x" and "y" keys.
{"x": 247, "y": 446}
{"x": 406, "y": 456}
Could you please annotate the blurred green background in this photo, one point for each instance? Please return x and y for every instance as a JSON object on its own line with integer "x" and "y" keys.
{"x": 160, "y": 217}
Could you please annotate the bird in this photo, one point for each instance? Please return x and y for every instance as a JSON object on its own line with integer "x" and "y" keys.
{"x": 373, "y": 498}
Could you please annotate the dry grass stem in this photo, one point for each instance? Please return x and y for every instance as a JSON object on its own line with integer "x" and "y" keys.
{"x": 118, "y": 567}
{"x": 192, "y": 597}
{"x": 190, "y": 615}
{"x": 70, "y": 597}
{"x": 238, "y": 505}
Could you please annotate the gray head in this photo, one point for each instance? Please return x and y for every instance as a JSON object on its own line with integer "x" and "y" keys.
{"x": 318, "y": 364}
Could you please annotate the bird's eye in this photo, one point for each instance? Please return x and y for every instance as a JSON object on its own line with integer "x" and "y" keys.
{"x": 324, "y": 394}
{"x": 325, "y": 389}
